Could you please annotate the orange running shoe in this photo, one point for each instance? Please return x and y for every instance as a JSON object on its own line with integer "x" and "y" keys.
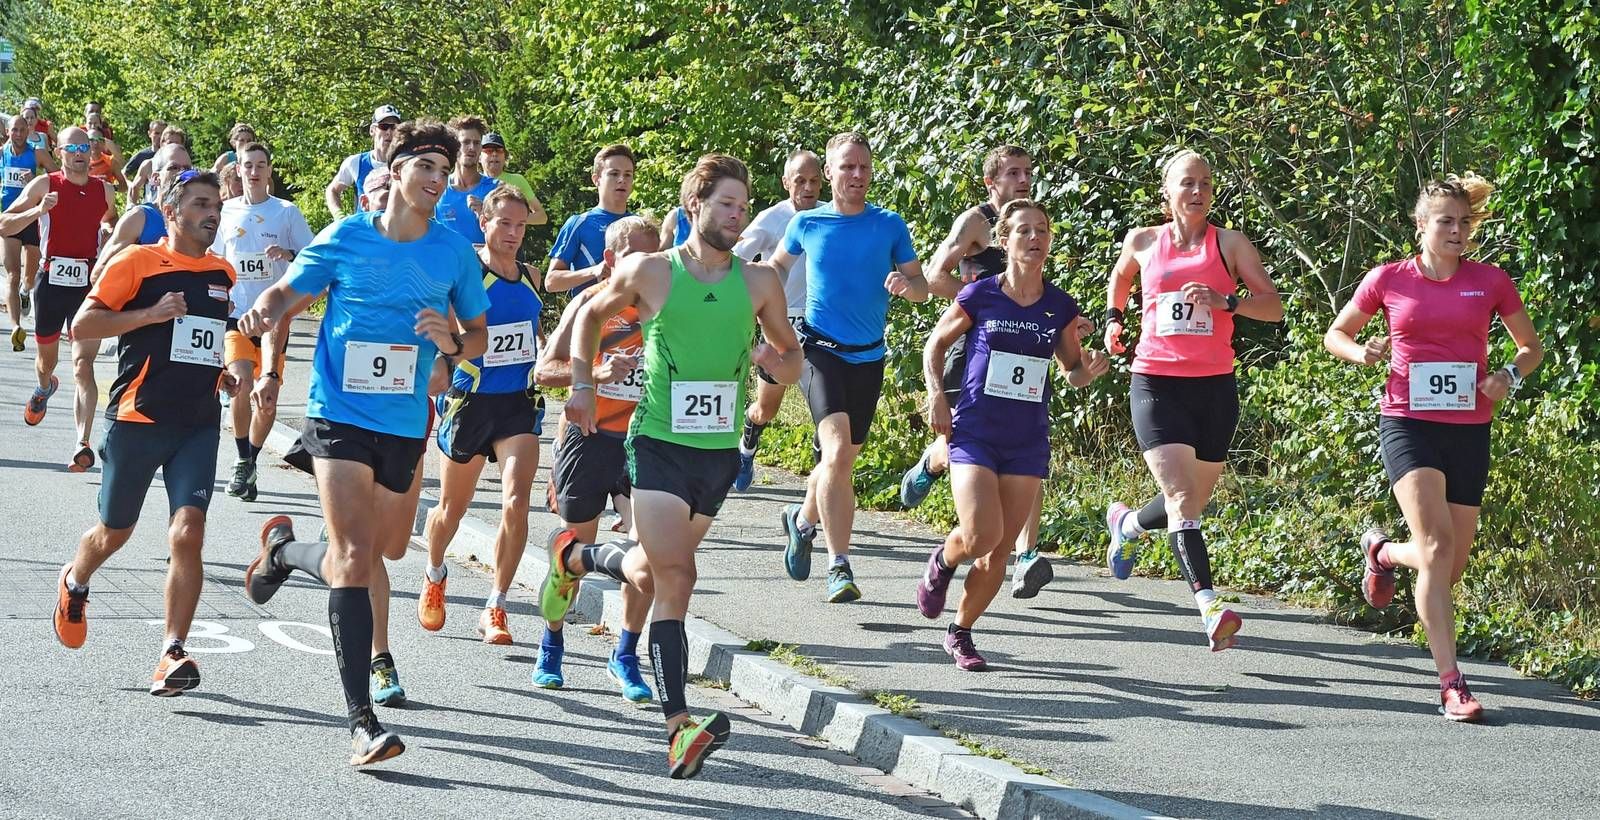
{"x": 72, "y": 624}
{"x": 492, "y": 626}
{"x": 175, "y": 674}
{"x": 83, "y": 461}
{"x": 430, "y": 605}
{"x": 33, "y": 411}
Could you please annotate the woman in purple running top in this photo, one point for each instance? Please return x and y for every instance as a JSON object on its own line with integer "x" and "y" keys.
{"x": 999, "y": 430}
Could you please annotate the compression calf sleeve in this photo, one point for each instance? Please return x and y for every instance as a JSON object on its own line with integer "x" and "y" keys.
{"x": 669, "y": 660}
{"x": 1189, "y": 547}
{"x": 350, "y": 621}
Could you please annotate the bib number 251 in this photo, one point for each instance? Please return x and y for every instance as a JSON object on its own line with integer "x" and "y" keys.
{"x": 703, "y": 407}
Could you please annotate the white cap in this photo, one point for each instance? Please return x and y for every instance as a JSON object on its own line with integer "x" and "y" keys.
{"x": 385, "y": 112}
{"x": 32, "y": 102}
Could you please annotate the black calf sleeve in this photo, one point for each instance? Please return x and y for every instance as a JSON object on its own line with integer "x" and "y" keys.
{"x": 1189, "y": 547}
{"x": 669, "y": 660}
{"x": 1153, "y": 515}
{"x": 350, "y": 620}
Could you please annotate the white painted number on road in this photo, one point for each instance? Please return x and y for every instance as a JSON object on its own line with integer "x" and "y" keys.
{"x": 274, "y": 630}
{"x": 233, "y": 644}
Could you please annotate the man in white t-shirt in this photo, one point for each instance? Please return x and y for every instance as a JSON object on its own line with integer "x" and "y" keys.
{"x": 354, "y": 169}
{"x": 260, "y": 234}
{"x": 802, "y": 178}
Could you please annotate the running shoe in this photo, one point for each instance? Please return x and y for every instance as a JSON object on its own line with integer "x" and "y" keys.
{"x": 384, "y": 683}
{"x": 797, "y": 553}
{"x": 175, "y": 674}
{"x": 560, "y": 586}
{"x": 547, "y": 669}
{"x": 71, "y": 622}
{"x": 1222, "y": 625}
{"x": 1032, "y": 572}
{"x": 746, "y": 474}
{"x": 243, "y": 485}
{"x": 624, "y": 671}
{"x": 693, "y": 742}
{"x": 916, "y": 483}
{"x": 958, "y": 645}
{"x": 19, "y": 338}
{"x": 370, "y": 742}
{"x": 492, "y": 627}
{"x": 430, "y": 604}
{"x": 934, "y": 586}
{"x": 1123, "y": 550}
{"x": 263, "y": 578}
{"x": 83, "y": 460}
{"x": 1457, "y": 703}
{"x": 1377, "y": 583}
{"x": 33, "y": 411}
{"x": 842, "y": 587}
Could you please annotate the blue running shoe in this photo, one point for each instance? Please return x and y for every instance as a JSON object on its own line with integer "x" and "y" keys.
{"x": 842, "y": 587}
{"x": 747, "y": 472}
{"x": 1032, "y": 572}
{"x": 916, "y": 483}
{"x": 797, "y": 554}
{"x": 547, "y": 671}
{"x": 384, "y": 684}
{"x": 1123, "y": 551}
{"x": 624, "y": 670}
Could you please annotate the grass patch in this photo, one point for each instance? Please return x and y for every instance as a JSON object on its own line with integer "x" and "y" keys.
{"x": 709, "y": 683}
{"x": 789, "y": 655}
{"x": 993, "y": 753}
{"x": 902, "y": 705}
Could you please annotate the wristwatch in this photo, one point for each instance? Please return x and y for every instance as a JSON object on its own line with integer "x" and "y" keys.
{"x": 1514, "y": 375}
{"x": 1233, "y": 302}
{"x": 459, "y": 347}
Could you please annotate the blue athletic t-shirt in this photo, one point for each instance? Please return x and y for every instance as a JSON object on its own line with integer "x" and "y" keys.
{"x": 155, "y": 224}
{"x": 581, "y": 242}
{"x": 680, "y": 234}
{"x": 376, "y": 286}
{"x": 513, "y": 335}
{"x": 847, "y": 259}
{"x": 14, "y": 181}
{"x": 453, "y": 211}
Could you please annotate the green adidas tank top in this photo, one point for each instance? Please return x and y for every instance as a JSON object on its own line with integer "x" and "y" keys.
{"x": 697, "y": 361}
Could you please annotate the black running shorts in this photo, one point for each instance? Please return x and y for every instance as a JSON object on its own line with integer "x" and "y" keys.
{"x": 1200, "y": 411}
{"x": 701, "y": 478}
{"x": 471, "y": 423}
{"x": 1459, "y": 451}
{"x": 833, "y": 385}
{"x": 131, "y": 453}
{"x": 588, "y": 471}
{"x": 393, "y": 459}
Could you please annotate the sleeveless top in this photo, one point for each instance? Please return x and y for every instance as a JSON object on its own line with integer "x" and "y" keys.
{"x": 71, "y": 230}
{"x": 1179, "y": 338}
{"x": 991, "y": 261}
{"x": 681, "y": 232}
{"x": 364, "y": 166}
{"x": 621, "y": 335}
{"x": 155, "y": 224}
{"x": 696, "y": 361}
{"x": 513, "y": 319}
{"x": 18, "y": 169}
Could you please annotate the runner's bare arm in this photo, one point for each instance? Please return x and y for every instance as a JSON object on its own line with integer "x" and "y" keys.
{"x": 554, "y": 368}
{"x": 125, "y": 234}
{"x": 669, "y": 227}
{"x": 27, "y": 207}
{"x": 1119, "y": 287}
{"x": 625, "y": 288}
{"x": 1529, "y": 353}
{"x": 44, "y": 159}
{"x": 332, "y": 196}
{"x": 96, "y": 321}
{"x": 1081, "y": 366}
{"x": 780, "y": 355}
{"x": 907, "y": 282}
{"x": 1340, "y": 340}
{"x": 968, "y": 235}
{"x": 561, "y": 277}
{"x": 1263, "y": 304}
{"x": 952, "y": 324}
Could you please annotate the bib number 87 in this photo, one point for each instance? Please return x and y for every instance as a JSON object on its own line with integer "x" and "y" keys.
{"x": 1182, "y": 311}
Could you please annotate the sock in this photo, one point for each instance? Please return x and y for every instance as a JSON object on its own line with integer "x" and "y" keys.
{"x": 939, "y": 559}
{"x": 955, "y": 628}
{"x": 1384, "y": 562}
{"x": 255, "y": 450}
{"x": 242, "y": 445}
{"x": 629, "y": 643}
{"x": 436, "y": 573}
{"x": 841, "y": 560}
{"x": 606, "y": 559}
{"x": 74, "y": 586}
{"x": 1189, "y": 546}
{"x": 1204, "y": 597}
{"x": 496, "y": 600}
{"x": 805, "y": 527}
{"x": 173, "y": 641}
{"x": 382, "y": 659}
{"x": 350, "y": 620}
{"x": 669, "y": 661}
{"x": 552, "y": 639}
{"x": 1448, "y": 678}
{"x": 751, "y": 438}
{"x": 307, "y": 556}
{"x": 1152, "y": 516}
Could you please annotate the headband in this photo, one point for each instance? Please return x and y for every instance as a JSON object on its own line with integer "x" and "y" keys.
{"x": 416, "y": 149}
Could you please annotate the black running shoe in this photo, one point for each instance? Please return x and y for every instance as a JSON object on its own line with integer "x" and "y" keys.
{"x": 263, "y": 577}
{"x": 243, "y": 485}
{"x": 370, "y": 742}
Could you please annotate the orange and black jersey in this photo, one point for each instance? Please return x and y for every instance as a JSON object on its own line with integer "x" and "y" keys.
{"x": 150, "y": 386}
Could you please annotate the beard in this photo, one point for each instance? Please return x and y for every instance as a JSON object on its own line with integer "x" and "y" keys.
{"x": 715, "y": 238}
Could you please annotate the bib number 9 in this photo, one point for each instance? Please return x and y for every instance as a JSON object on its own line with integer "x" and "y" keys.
{"x": 703, "y": 407}
{"x": 370, "y": 367}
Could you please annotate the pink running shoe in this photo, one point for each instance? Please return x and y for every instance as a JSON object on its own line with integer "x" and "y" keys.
{"x": 1377, "y": 583}
{"x": 1457, "y": 703}
{"x": 958, "y": 643}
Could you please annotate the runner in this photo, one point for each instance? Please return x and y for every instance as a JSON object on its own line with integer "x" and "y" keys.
{"x": 145, "y": 180}
{"x": 802, "y": 178}
{"x": 462, "y": 201}
{"x": 391, "y": 277}
{"x": 675, "y": 229}
{"x": 79, "y": 208}
{"x": 490, "y": 412}
{"x": 1184, "y": 397}
{"x": 581, "y": 242}
{"x": 144, "y": 223}
{"x": 696, "y": 304}
{"x": 1437, "y": 406}
{"x": 131, "y": 168}
{"x": 259, "y": 235}
{"x": 103, "y": 161}
{"x": 847, "y": 243}
{"x": 232, "y": 184}
{"x": 94, "y": 116}
{"x": 165, "y": 304}
{"x": 1012, "y": 325}
{"x": 43, "y": 134}
{"x": 240, "y": 135}
{"x": 355, "y": 168}
{"x": 592, "y": 468}
{"x": 494, "y": 159}
{"x": 18, "y": 162}
{"x": 96, "y": 121}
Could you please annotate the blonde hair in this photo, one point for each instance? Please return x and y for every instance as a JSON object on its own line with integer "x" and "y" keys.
{"x": 1002, "y": 224}
{"x": 500, "y": 196}
{"x": 1178, "y": 157}
{"x": 618, "y": 233}
{"x": 1470, "y": 189}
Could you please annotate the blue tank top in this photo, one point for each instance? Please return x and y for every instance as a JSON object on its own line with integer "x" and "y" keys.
{"x": 364, "y": 166}
{"x": 682, "y": 232}
{"x": 15, "y": 181}
{"x": 513, "y": 319}
{"x": 155, "y": 225}
{"x": 1010, "y": 406}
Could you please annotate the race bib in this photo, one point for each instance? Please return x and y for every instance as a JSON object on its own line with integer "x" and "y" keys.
{"x": 253, "y": 267}
{"x": 1017, "y": 377}
{"x": 512, "y": 343}
{"x": 1444, "y": 386}
{"x": 17, "y": 176}
{"x": 630, "y": 388}
{"x": 703, "y": 407}
{"x": 197, "y": 340}
{"x": 68, "y": 273}
{"x": 371, "y": 367}
{"x": 1176, "y": 317}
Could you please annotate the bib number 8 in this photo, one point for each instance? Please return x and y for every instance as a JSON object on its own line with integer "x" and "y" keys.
{"x": 1018, "y": 375}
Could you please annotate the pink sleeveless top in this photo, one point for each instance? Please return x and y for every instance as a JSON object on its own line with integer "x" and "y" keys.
{"x": 1179, "y": 338}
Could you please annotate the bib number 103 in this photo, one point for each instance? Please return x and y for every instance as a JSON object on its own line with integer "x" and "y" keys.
{"x": 703, "y": 407}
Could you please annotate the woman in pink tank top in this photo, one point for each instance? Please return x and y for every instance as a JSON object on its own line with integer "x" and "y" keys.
{"x": 1437, "y": 406}
{"x": 1183, "y": 396}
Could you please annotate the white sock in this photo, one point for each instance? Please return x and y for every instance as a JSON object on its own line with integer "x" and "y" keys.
{"x": 72, "y": 583}
{"x": 1204, "y": 597}
{"x": 744, "y": 452}
{"x": 802, "y": 524}
{"x": 497, "y": 600}
{"x": 436, "y": 573}
{"x": 1130, "y": 525}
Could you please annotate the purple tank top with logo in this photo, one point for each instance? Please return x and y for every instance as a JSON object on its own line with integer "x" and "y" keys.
{"x": 1005, "y": 394}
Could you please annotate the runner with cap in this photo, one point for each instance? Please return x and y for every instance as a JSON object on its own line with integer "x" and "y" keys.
{"x": 391, "y": 277}
{"x": 19, "y": 161}
{"x": 581, "y": 242}
{"x": 130, "y": 169}
{"x": 104, "y": 160}
{"x": 354, "y": 169}
{"x": 494, "y": 156}
{"x": 463, "y": 199}
{"x": 165, "y": 304}
{"x": 80, "y": 208}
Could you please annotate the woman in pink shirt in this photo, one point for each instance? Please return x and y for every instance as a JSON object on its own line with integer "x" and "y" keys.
{"x": 1436, "y": 407}
{"x": 1184, "y": 399}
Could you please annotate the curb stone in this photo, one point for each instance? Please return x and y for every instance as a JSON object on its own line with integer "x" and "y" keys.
{"x": 906, "y": 748}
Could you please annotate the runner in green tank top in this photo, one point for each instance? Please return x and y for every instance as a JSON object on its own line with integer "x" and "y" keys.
{"x": 696, "y": 303}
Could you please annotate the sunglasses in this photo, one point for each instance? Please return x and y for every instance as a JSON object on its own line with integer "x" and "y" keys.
{"x": 79, "y": 148}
